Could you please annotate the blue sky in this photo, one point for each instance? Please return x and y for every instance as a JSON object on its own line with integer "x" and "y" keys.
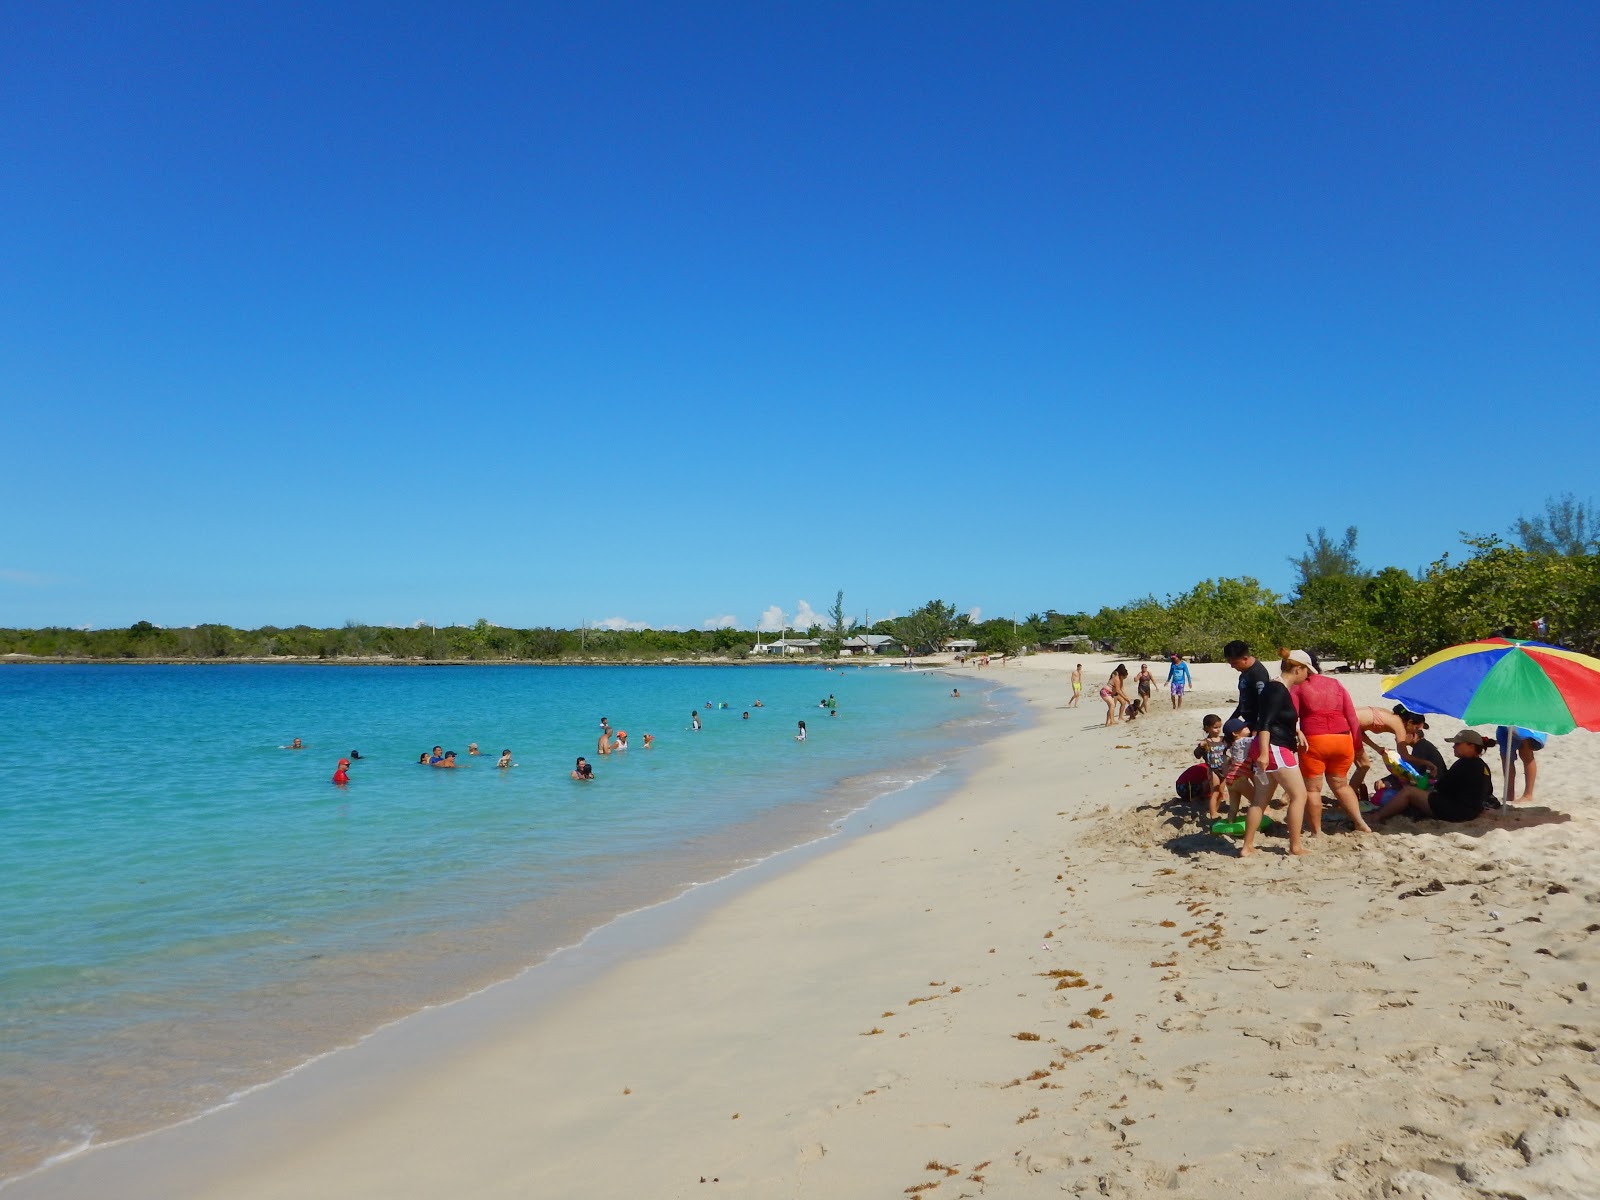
{"x": 675, "y": 312}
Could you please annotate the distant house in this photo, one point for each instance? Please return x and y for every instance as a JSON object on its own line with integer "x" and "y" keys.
{"x": 868, "y": 643}
{"x": 1073, "y": 641}
{"x": 787, "y": 646}
{"x": 961, "y": 645}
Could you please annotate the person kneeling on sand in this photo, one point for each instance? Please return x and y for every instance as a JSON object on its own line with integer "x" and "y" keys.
{"x": 1465, "y": 790}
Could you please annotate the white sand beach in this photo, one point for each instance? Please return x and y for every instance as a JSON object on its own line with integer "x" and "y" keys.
{"x": 1049, "y": 983}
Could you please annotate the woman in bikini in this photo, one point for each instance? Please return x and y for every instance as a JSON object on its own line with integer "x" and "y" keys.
{"x": 1114, "y": 695}
{"x": 1377, "y": 720}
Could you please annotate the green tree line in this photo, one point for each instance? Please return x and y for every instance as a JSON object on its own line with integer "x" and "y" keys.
{"x": 479, "y": 641}
{"x": 1340, "y": 609}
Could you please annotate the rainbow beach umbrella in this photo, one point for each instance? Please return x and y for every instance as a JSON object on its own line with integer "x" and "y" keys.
{"x": 1498, "y": 681}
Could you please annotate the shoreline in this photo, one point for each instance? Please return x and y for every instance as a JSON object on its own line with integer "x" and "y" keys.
{"x": 871, "y": 799}
{"x": 1051, "y": 981}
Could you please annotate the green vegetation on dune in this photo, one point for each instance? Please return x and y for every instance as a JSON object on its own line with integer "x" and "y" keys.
{"x": 1339, "y": 609}
{"x": 1344, "y": 611}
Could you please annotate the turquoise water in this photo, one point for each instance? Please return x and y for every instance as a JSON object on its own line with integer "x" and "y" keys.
{"x": 191, "y": 909}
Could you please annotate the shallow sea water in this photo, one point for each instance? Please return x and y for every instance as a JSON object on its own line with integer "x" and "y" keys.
{"x": 192, "y": 910}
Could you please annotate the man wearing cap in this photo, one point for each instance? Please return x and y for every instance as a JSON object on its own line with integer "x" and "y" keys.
{"x": 341, "y": 774}
{"x": 1461, "y": 794}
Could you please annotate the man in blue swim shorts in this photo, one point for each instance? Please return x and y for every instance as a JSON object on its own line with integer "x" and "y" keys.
{"x": 1524, "y": 743}
{"x": 1177, "y": 679}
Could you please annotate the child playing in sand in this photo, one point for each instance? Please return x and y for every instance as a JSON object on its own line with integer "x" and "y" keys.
{"x": 1213, "y": 751}
{"x": 1237, "y": 780}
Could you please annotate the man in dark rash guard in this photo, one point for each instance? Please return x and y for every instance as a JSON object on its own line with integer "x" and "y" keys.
{"x": 1277, "y": 765}
{"x": 1253, "y": 678}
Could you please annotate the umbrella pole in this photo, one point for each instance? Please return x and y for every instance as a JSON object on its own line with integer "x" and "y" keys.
{"x": 1509, "y": 760}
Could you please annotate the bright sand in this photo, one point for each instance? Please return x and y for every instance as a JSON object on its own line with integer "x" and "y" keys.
{"x": 883, "y": 1019}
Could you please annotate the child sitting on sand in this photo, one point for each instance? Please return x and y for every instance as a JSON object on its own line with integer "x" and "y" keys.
{"x": 1213, "y": 751}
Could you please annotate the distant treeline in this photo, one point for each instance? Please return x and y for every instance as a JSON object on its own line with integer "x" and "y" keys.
{"x": 927, "y": 629}
{"x": 1344, "y": 611}
{"x": 479, "y": 641}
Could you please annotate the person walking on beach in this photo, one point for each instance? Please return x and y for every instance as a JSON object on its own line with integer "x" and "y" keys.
{"x": 1277, "y": 765}
{"x": 1077, "y": 686}
{"x": 1177, "y": 680}
{"x": 1114, "y": 695}
{"x": 1253, "y": 679}
{"x": 1147, "y": 686}
{"x": 1329, "y": 732}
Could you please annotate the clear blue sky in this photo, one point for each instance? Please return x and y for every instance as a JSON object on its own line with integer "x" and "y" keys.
{"x": 671, "y": 312}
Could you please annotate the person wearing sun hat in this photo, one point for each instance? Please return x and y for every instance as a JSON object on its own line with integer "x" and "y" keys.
{"x": 1461, "y": 794}
{"x": 1329, "y": 735}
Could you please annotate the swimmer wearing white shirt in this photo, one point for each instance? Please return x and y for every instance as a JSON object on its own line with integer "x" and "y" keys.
{"x": 801, "y": 736}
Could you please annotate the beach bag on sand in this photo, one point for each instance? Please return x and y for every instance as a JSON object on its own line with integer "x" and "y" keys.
{"x": 1194, "y": 784}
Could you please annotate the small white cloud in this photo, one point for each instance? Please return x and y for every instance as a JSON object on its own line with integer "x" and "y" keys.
{"x": 27, "y": 578}
{"x": 772, "y": 620}
{"x": 974, "y": 614}
{"x": 804, "y": 618}
{"x": 726, "y": 621}
{"x": 621, "y": 623}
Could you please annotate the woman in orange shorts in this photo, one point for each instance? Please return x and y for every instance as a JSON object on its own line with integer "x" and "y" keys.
{"x": 1329, "y": 733}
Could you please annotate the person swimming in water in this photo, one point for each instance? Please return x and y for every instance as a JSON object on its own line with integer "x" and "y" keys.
{"x": 620, "y": 742}
{"x": 436, "y": 757}
{"x": 582, "y": 771}
{"x": 449, "y": 760}
{"x": 746, "y": 716}
{"x": 472, "y": 747}
{"x": 423, "y": 761}
{"x": 341, "y": 773}
{"x": 505, "y": 760}
{"x": 695, "y": 717}
{"x": 296, "y": 744}
{"x": 801, "y": 736}
{"x": 649, "y": 739}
